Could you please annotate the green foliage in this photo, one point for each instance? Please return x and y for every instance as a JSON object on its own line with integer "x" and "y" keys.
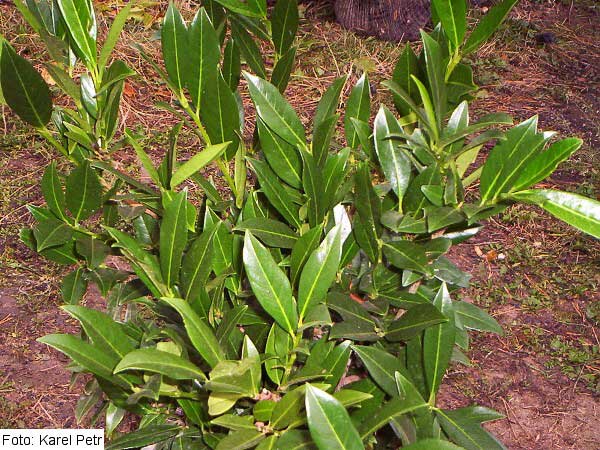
{"x": 238, "y": 320}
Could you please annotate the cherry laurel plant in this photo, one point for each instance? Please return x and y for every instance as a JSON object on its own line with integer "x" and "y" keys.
{"x": 313, "y": 308}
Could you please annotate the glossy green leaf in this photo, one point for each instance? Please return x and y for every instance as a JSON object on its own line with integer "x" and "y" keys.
{"x": 279, "y": 344}
{"x": 320, "y": 271}
{"x": 302, "y": 250}
{"x": 329, "y": 102}
{"x": 197, "y": 162}
{"x": 201, "y": 58}
{"x": 269, "y": 284}
{"x": 24, "y": 89}
{"x": 280, "y": 76}
{"x": 414, "y": 321}
{"x": 357, "y": 323}
{"x": 381, "y": 366}
{"x": 312, "y": 181}
{"x": 392, "y": 409}
{"x": 105, "y": 333}
{"x": 488, "y": 25}
{"x": 368, "y": 206}
{"x": 240, "y": 7}
{"x": 220, "y": 112}
{"x": 231, "y": 67}
{"x": 174, "y": 46}
{"x": 322, "y": 137}
{"x": 407, "y": 255}
{"x": 279, "y": 198}
{"x": 406, "y": 66}
{"x": 173, "y": 237}
{"x": 275, "y": 111}
{"x": 453, "y": 16}
{"x": 470, "y": 316}
{"x": 580, "y": 212}
{"x": 196, "y": 265}
{"x": 545, "y": 163}
{"x": 151, "y": 434}
{"x": 74, "y": 286}
{"x": 157, "y": 361}
{"x": 51, "y": 233}
{"x": 283, "y": 158}
{"x": 394, "y": 160}
{"x": 463, "y": 426}
{"x": 358, "y": 106}
{"x": 93, "y": 250}
{"x": 288, "y": 409}
{"x": 86, "y": 355}
{"x": 84, "y": 192}
{"x": 508, "y": 158}
{"x": 249, "y": 49}
{"x": 284, "y": 24}
{"x": 81, "y": 23}
{"x": 329, "y": 423}
{"x": 272, "y": 232}
{"x": 438, "y": 342}
{"x": 53, "y": 191}
{"x": 201, "y": 335}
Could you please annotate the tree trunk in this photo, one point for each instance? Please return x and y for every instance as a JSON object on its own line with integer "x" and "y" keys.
{"x": 391, "y": 20}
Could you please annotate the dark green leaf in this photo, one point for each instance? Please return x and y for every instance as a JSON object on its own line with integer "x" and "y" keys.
{"x": 368, "y": 206}
{"x": 241, "y": 439}
{"x": 283, "y": 69}
{"x": 174, "y": 47}
{"x": 151, "y": 434}
{"x": 74, "y": 286}
{"x": 475, "y": 318}
{"x": 197, "y": 162}
{"x": 275, "y": 111}
{"x": 414, "y": 321}
{"x": 201, "y": 335}
{"x": 53, "y": 191}
{"x": 51, "y": 233}
{"x": 196, "y": 265}
{"x": 84, "y": 192}
{"x": 438, "y": 342}
{"x": 281, "y": 156}
{"x": 406, "y": 66}
{"x": 249, "y": 49}
{"x": 453, "y": 15}
{"x": 463, "y": 426}
{"x": 232, "y": 68}
{"x": 312, "y": 181}
{"x": 432, "y": 444}
{"x": 407, "y": 255}
{"x": 93, "y": 250}
{"x": 284, "y": 24}
{"x": 24, "y": 89}
{"x": 272, "y": 232}
{"x": 328, "y": 105}
{"x": 488, "y": 25}
{"x": 173, "y": 237}
{"x": 301, "y": 251}
{"x": 381, "y": 366}
{"x": 358, "y": 106}
{"x": 81, "y": 23}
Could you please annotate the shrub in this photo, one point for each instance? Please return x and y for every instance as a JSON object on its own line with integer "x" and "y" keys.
{"x": 311, "y": 309}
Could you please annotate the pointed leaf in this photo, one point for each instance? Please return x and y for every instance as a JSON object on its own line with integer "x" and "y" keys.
{"x": 281, "y": 156}
{"x": 463, "y": 426}
{"x": 151, "y": 434}
{"x": 470, "y": 316}
{"x": 284, "y": 24}
{"x": 196, "y": 265}
{"x": 197, "y": 162}
{"x": 269, "y": 284}
{"x": 407, "y": 255}
{"x": 329, "y": 423}
{"x": 381, "y": 366}
{"x": 272, "y": 232}
{"x": 488, "y": 25}
{"x": 414, "y": 321}
{"x": 173, "y": 237}
{"x": 84, "y": 192}
{"x": 358, "y": 106}
{"x": 165, "y": 363}
{"x": 174, "y": 46}
{"x": 453, "y": 15}
{"x": 81, "y": 22}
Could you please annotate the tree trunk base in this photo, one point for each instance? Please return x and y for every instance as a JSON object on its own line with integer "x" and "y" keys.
{"x": 390, "y": 20}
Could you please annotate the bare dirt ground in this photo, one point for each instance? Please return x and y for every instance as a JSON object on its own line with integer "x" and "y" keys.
{"x": 539, "y": 278}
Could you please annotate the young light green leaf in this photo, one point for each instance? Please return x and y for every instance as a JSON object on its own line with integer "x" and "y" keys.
{"x": 269, "y": 284}
{"x": 358, "y": 106}
{"x": 580, "y": 212}
{"x": 173, "y": 237}
{"x": 165, "y": 363}
{"x": 284, "y": 24}
{"x": 329, "y": 423}
{"x": 320, "y": 271}
{"x": 275, "y": 111}
{"x": 197, "y": 162}
{"x": 24, "y": 89}
{"x": 201, "y": 335}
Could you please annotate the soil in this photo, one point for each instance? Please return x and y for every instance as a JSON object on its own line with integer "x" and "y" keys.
{"x": 544, "y": 289}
